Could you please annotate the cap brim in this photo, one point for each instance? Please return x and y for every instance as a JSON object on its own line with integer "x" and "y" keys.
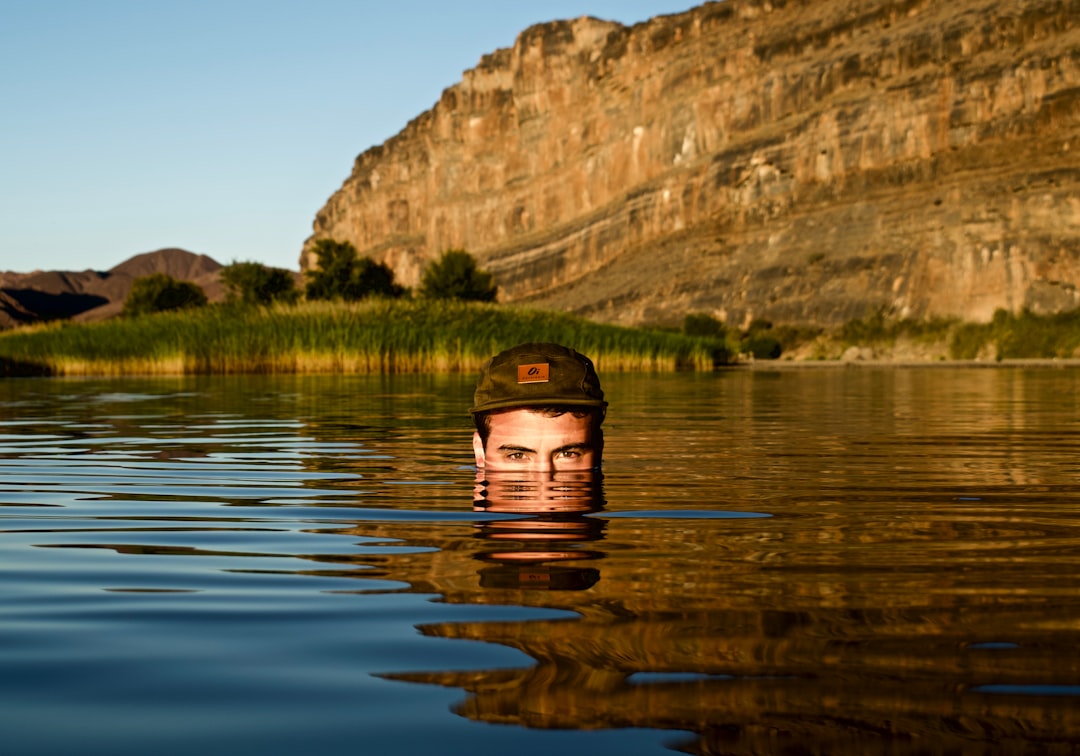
{"x": 538, "y": 401}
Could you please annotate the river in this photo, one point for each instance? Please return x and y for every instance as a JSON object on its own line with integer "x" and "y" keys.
{"x": 834, "y": 560}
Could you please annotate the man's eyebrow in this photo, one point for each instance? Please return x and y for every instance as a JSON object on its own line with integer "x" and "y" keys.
{"x": 514, "y": 448}
{"x": 574, "y": 447}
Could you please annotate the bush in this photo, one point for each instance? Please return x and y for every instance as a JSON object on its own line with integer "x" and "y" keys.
{"x": 968, "y": 340}
{"x": 760, "y": 341}
{"x": 253, "y": 283}
{"x": 159, "y": 293}
{"x": 702, "y": 324}
{"x": 872, "y": 329}
{"x": 340, "y": 275}
{"x": 376, "y": 279}
{"x": 455, "y": 275}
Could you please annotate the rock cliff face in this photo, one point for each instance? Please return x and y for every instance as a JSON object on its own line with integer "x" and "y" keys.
{"x": 801, "y": 161}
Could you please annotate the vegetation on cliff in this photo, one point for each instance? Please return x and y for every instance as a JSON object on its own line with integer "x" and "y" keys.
{"x": 373, "y": 335}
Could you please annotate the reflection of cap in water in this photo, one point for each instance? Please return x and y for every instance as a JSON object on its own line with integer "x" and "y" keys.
{"x": 537, "y": 375}
{"x": 540, "y": 577}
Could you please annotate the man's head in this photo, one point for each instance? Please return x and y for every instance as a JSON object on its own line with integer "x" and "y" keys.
{"x": 538, "y": 407}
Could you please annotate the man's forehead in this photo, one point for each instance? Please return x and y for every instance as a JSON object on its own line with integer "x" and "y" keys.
{"x": 536, "y": 418}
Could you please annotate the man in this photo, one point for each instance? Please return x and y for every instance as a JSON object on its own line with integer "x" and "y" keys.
{"x": 538, "y": 410}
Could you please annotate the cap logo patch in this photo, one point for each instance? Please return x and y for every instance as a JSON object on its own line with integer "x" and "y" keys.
{"x": 534, "y": 373}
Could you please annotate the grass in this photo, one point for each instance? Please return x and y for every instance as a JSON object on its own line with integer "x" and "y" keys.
{"x": 1021, "y": 336}
{"x": 877, "y": 329}
{"x": 320, "y": 337}
{"x": 1024, "y": 335}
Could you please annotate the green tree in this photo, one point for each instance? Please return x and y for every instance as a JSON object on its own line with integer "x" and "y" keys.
{"x": 161, "y": 292}
{"x": 341, "y": 275}
{"x": 254, "y": 283}
{"x": 455, "y": 276}
{"x": 374, "y": 278}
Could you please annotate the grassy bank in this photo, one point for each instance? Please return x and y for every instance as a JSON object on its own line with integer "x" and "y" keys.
{"x": 367, "y": 336}
{"x": 1008, "y": 336}
{"x": 1018, "y": 337}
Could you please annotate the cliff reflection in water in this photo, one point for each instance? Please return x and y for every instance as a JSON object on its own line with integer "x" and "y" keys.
{"x": 685, "y": 626}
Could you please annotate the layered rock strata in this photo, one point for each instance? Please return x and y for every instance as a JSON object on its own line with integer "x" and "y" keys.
{"x": 796, "y": 161}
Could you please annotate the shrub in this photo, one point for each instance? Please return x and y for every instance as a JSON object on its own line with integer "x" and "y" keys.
{"x": 968, "y": 340}
{"x": 376, "y": 279}
{"x": 760, "y": 342}
{"x": 340, "y": 275}
{"x": 455, "y": 275}
{"x": 794, "y": 336}
{"x": 161, "y": 292}
{"x": 762, "y": 347}
{"x": 702, "y": 324}
{"x": 254, "y": 283}
{"x": 872, "y": 329}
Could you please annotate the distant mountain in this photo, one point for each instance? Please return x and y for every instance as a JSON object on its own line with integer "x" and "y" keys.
{"x": 177, "y": 263}
{"x": 93, "y": 295}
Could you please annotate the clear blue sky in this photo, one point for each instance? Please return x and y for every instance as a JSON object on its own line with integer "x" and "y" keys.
{"x": 219, "y": 126}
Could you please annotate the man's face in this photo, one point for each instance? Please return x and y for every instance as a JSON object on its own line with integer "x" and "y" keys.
{"x": 529, "y": 441}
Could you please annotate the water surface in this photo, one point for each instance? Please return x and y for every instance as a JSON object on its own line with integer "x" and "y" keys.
{"x": 813, "y": 561}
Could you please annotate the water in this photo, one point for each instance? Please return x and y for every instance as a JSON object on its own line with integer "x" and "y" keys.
{"x": 797, "y": 561}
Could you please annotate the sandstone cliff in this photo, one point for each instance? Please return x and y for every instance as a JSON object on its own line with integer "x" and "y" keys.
{"x": 793, "y": 160}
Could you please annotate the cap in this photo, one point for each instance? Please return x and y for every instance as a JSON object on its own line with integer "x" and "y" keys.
{"x": 536, "y": 375}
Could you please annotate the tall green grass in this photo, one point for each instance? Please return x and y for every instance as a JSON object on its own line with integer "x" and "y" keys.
{"x": 320, "y": 337}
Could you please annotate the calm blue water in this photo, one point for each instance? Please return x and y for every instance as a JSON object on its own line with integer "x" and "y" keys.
{"x": 811, "y": 561}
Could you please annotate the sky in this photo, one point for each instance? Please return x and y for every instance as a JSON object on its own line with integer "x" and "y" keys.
{"x": 219, "y": 126}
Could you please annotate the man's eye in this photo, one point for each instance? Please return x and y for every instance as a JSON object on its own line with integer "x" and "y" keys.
{"x": 516, "y": 456}
{"x": 569, "y": 454}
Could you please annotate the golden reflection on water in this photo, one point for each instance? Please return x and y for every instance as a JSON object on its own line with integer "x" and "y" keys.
{"x": 690, "y": 629}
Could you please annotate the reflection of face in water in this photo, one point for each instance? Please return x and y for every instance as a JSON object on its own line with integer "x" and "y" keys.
{"x": 529, "y": 492}
{"x": 526, "y": 546}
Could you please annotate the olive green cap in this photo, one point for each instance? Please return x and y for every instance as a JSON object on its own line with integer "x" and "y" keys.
{"x": 537, "y": 375}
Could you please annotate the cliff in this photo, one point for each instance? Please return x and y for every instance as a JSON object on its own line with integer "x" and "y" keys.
{"x": 799, "y": 161}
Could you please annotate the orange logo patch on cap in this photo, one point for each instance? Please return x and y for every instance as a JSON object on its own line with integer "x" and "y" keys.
{"x": 533, "y": 373}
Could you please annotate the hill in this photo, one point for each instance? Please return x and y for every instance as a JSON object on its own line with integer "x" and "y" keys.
{"x": 92, "y": 295}
{"x": 800, "y": 161}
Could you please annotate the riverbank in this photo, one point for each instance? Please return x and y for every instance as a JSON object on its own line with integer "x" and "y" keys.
{"x": 1055, "y": 362}
{"x": 389, "y": 336}
{"x": 1023, "y": 338}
